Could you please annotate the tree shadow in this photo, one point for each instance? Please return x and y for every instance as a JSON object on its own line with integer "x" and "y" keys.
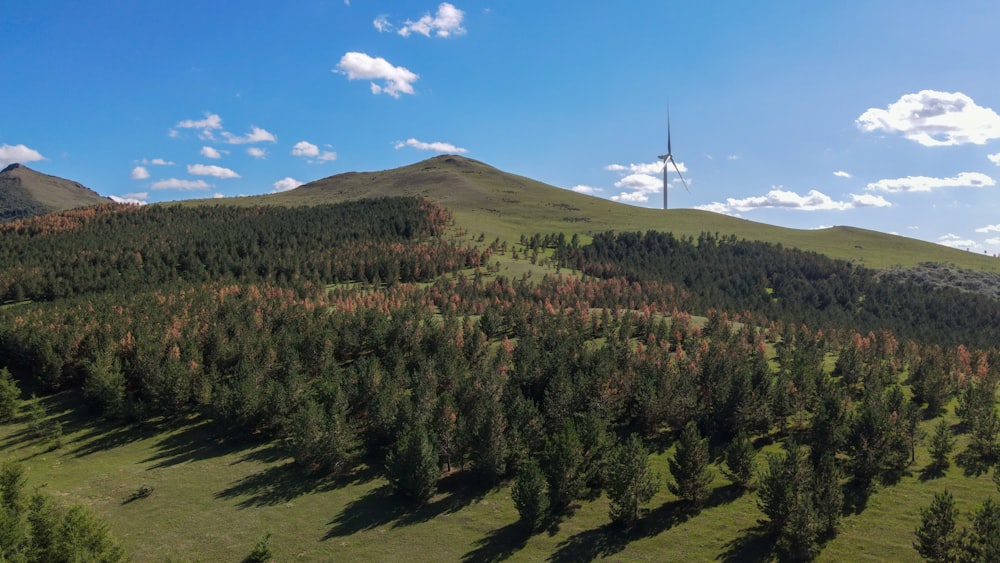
{"x": 500, "y": 544}
{"x": 199, "y": 440}
{"x": 381, "y": 507}
{"x": 754, "y": 545}
{"x": 932, "y": 471}
{"x": 856, "y": 497}
{"x": 974, "y": 464}
{"x": 278, "y": 484}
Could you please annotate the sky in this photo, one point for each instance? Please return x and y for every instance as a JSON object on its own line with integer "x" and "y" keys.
{"x": 876, "y": 114}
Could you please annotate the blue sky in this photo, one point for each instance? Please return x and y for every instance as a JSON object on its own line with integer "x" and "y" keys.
{"x": 877, "y": 114}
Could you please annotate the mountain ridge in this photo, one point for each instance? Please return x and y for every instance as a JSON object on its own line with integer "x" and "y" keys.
{"x": 25, "y": 192}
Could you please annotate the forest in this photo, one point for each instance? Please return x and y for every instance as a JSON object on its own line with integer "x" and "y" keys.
{"x": 376, "y": 334}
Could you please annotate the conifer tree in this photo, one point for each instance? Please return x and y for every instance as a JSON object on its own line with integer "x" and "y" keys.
{"x": 412, "y": 465}
{"x": 630, "y": 480}
{"x": 564, "y": 467}
{"x": 936, "y": 535}
{"x": 740, "y": 461}
{"x": 10, "y": 396}
{"x": 941, "y": 444}
{"x": 529, "y": 495}
{"x": 689, "y": 467}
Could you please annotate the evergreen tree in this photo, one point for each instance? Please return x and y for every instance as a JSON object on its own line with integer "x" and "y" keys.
{"x": 412, "y": 465}
{"x": 104, "y": 386}
{"x": 941, "y": 444}
{"x": 529, "y": 495}
{"x": 563, "y": 467}
{"x": 630, "y": 480}
{"x": 740, "y": 459}
{"x": 10, "y": 396}
{"x": 82, "y": 537}
{"x": 982, "y": 543}
{"x": 936, "y": 535}
{"x": 689, "y": 467}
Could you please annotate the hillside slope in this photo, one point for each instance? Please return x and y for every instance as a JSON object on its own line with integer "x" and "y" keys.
{"x": 499, "y": 204}
{"x": 26, "y": 193}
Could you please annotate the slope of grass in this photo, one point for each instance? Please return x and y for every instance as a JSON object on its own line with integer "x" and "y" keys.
{"x": 506, "y": 206}
{"x": 213, "y": 498}
{"x": 25, "y": 192}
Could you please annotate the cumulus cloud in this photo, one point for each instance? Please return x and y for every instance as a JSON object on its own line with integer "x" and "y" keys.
{"x": 989, "y": 229}
{"x": 156, "y": 162}
{"x": 926, "y": 184}
{"x": 257, "y": 152}
{"x": 934, "y": 119}
{"x": 312, "y": 153}
{"x": 445, "y": 23}
{"x": 778, "y": 198}
{"x": 138, "y": 198}
{"x": 437, "y": 146}
{"x": 204, "y": 127}
{"x": 956, "y": 241}
{"x": 641, "y": 180}
{"x": 9, "y": 154}
{"x": 178, "y": 184}
{"x": 842, "y": 174}
{"x": 140, "y": 173}
{"x": 995, "y": 241}
{"x": 256, "y": 135}
{"x": 382, "y": 24}
{"x": 209, "y": 152}
{"x": 286, "y": 184}
{"x": 359, "y": 66}
{"x": 582, "y": 189}
{"x": 994, "y": 158}
{"x": 211, "y": 170}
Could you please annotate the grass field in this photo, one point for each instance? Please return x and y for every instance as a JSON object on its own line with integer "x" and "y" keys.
{"x": 501, "y": 205}
{"x": 213, "y": 498}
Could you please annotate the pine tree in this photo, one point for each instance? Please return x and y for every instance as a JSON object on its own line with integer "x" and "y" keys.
{"x": 412, "y": 465}
{"x": 529, "y": 495}
{"x": 10, "y": 396}
{"x": 564, "y": 467}
{"x": 740, "y": 461}
{"x": 941, "y": 445}
{"x": 689, "y": 467}
{"x": 630, "y": 480}
{"x": 982, "y": 543}
{"x": 936, "y": 535}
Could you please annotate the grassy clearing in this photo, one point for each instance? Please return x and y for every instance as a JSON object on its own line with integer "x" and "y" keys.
{"x": 213, "y": 498}
{"x": 497, "y": 204}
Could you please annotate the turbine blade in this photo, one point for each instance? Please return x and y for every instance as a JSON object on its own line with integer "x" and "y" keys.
{"x": 679, "y": 175}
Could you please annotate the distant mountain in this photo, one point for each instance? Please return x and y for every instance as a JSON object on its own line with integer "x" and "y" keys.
{"x": 502, "y": 205}
{"x": 26, "y": 193}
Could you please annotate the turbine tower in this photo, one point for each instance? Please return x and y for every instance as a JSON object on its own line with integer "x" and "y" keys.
{"x": 668, "y": 160}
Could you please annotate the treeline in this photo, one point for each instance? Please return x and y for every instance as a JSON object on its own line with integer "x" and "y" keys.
{"x": 509, "y": 379}
{"x": 789, "y": 285}
{"x": 124, "y": 248}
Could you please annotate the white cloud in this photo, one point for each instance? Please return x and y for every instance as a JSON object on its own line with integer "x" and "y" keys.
{"x": 994, "y": 158}
{"x": 926, "y": 184}
{"x": 934, "y": 119}
{"x": 138, "y": 198}
{"x": 733, "y": 157}
{"x": 211, "y": 170}
{"x": 156, "y": 161}
{"x": 217, "y": 195}
{"x": 309, "y": 151}
{"x": 644, "y": 167}
{"x": 256, "y": 135}
{"x": 140, "y": 173}
{"x": 995, "y": 241}
{"x": 205, "y": 127}
{"x": 382, "y": 24}
{"x": 359, "y": 66}
{"x": 209, "y": 152}
{"x": 437, "y": 146}
{"x": 989, "y": 229}
{"x": 446, "y": 22}
{"x": 211, "y": 121}
{"x": 9, "y": 154}
{"x": 582, "y": 189}
{"x": 842, "y": 174}
{"x": 956, "y": 241}
{"x": 631, "y": 197}
{"x": 783, "y": 199}
{"x": 286, "y": 184}
{"x": 257, "y": 152}
{"x": 177, "y": 184}
{"x": 640, "y": 182}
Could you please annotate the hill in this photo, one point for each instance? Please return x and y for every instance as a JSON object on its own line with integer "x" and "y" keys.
{"x": 504, "y": 205}
{"x": 26, "y": 193}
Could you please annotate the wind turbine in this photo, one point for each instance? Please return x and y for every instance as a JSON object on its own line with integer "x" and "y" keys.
{"x": 668, "y": 159}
